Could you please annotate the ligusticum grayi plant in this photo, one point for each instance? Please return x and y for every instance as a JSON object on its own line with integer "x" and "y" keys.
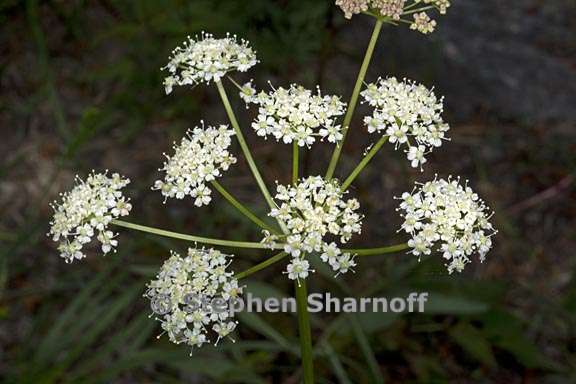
{"x": 314, "y": 214}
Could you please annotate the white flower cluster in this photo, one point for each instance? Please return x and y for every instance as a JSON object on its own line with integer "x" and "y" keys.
{"x": 404, "y": 110}
{"x": 395, "y": 9}
{"x": 443, "y": 211}
{"x": 207, "y": 59}
{"x": 353, "y": 7}
{"x": 190, "y": 296}
{"x": 389, "y": 8}
{"x": 295, "y": 114}
{"x": 423, "y": 23}
{"x": 87, "y": 210}
{"x": 313, "y": 211}
{"x": 200, "y": 157}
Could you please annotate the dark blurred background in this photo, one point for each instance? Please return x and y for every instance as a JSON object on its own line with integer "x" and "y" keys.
{"x": 81, "y": 89}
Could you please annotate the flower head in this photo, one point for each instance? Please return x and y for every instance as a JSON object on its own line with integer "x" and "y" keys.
{"x": 423, "y": 23}
{"x": 191, "y": 297}
{"x": 393, "y": 11}
{"x": 295, "y": 114}
{"x": 409, "y": 114}
{"x": 86, "y": 211}
{"x": 205, "y": 59}
{"x": 353, "y": 7}
{"x": 317, "y": 217}
{"x": 445, "y": 214}
{"x": 201, "y": 156}
{"x": 389, "y": 8}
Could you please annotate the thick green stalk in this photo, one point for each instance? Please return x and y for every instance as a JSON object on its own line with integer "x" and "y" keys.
{"x": 241, "y": 208}
{"x": 373, "y": 151}
{"x": 262, "y": 265}
{"x": 304, "y": 331}
{"x": 377, "y": 251}
{"x": 196, "y": 239}
{"x": 354, "y": 98}
{"x": 295, "y": 155}
{"x": 302, "y": 301}
{"x": 243, "y": 145}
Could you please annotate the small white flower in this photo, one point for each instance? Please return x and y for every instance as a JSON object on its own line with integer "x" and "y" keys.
{"x": 333, "y": 133}
{"x": 331, "y": 253}
{"x": 207, "y": 59}
{"x": 343, "y": 263}
{"x": 85, "y": 233}
{"x": 194, "y": 338}
{"x": 248, "y": 93}
{"x": 121, "y": 208}
{"x": 314, "y": 212}
{"x": 298, "y": 269}
{"x": 293, "y": 245}
{"x": 231, "y": 290}
{"x": 397, "y": 134}
{"x": 87, "y": 209}
{"x": 416, "y": 156}
{"x": 451, "y": 250}
{"x": 107, "y": 240}
{"x": 445, "y": 212}
{"x": 202, "y": 195}
{"x": 263, "y": 125}
{"x": 223, "y": 329}
{"x": 181, "y": 287}
{"x": 295, "y": 114}
{"x": 408, "y": 114}
{"x": 201, "y": 156}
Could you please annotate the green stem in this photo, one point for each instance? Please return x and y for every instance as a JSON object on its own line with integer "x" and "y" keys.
{"x": 295, "y": 153}
{"x": 410, "y": 6}
{"x": 304, "y": 330}
{"x": 364, "y": 162}
{"x": 245, "y": 211}
{"x": 246, "y": 150}
{"x": 354, "y": 98}
{"x": 235, "y": 83}
{"x": 377, "y": 251}
{"x": 243, "y": 145}
{"x": 418, "y": 10}
{"x": 196, "y": 239}
{"x": 359, "y": 252}
{"x": 261, "y": 266}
